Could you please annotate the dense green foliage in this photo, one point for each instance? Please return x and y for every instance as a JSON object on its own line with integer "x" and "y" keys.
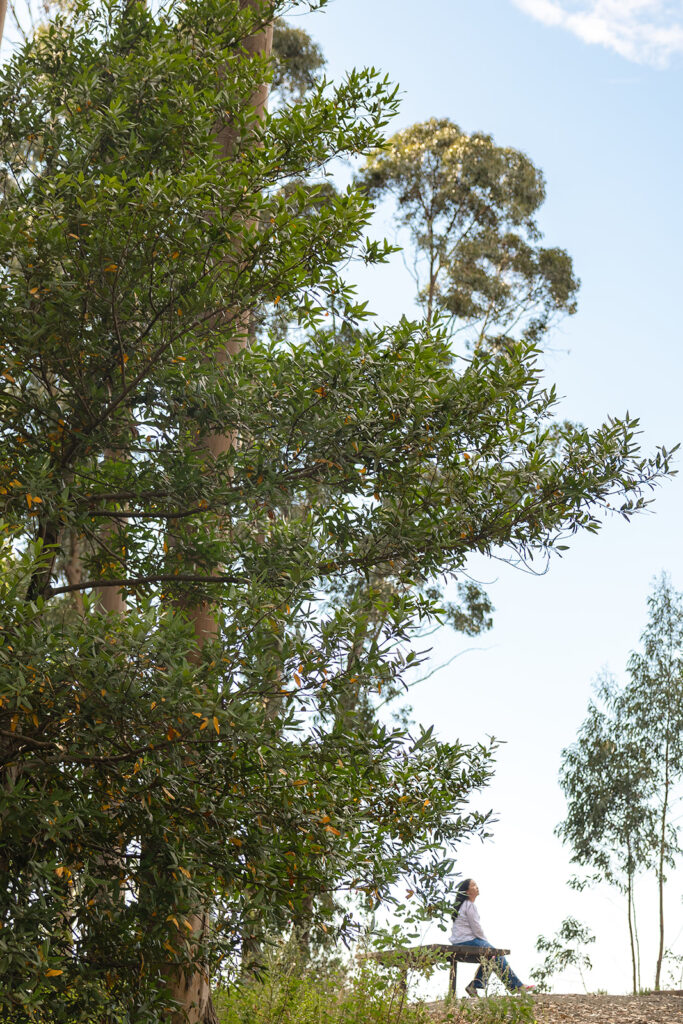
{"x": 146, "y": 773}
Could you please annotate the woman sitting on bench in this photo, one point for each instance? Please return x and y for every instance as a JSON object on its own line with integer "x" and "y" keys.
{"x": 467, "y": 931}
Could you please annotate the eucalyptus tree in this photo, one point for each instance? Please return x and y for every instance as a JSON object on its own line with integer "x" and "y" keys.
{"x": 621, "y": 775}
{"x": 610, "y": 824}
{"x": 297, "y": 62}
{"x": 469, "y": 207}
{"x": 134, "y": 252}
{"x": 654, "y": 695}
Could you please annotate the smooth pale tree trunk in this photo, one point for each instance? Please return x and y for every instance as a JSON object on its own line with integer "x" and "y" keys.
{"x": 259, "y": 44}
{"x": 192, "y": 990}
{"x": 635, "y": 933}
{"x": 3, "y": 15}
{"x": 660, "y": 871}
{"x": 74, "y": 568}
{"x": 631, "y": 930}
{"x": 111, "y": 599}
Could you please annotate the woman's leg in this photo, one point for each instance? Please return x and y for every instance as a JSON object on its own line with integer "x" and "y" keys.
{"x": 498, "y": 964}
{"x": 506, "y": 974}
{"x": 480, "y": 978}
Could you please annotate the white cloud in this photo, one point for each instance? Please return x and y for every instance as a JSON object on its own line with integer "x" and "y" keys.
{"x": 645, "y": 31}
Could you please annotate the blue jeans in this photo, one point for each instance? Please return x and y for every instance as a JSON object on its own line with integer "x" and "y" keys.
{"x": 498, "y": 963}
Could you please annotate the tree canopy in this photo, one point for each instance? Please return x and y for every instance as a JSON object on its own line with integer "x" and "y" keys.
{"x": 148, "y": 771}
{"x": 470, "y": 209}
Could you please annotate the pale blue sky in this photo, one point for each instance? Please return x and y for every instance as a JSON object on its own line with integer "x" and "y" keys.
{"x": 603, "y": 121}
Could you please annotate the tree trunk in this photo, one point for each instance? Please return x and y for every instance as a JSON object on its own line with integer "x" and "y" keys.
{"x": 192, "y": 991}
{"x": 631, "y": 930}
{"x": 432, "y": 275}
{"x": 74, "y": 568}
{"x": 109, "y": 599}
{"x": 635, "y": 933}
{"x": 660, "y": 870}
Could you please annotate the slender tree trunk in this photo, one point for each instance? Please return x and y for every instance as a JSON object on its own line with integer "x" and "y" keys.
{"x": 635, "y": 933}
{"x": 635, "y": 942}
{"x": 109, "y": 599}
{"x": 432, "y": 275}
{"x": 631, "y": 929}
{"x": 3, "y": 15}
{"x": 660, "y": 870}
{"x": 74, "y": 567}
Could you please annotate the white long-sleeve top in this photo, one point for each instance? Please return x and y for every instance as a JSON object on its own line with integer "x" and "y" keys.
{"x": 467, "y": 925}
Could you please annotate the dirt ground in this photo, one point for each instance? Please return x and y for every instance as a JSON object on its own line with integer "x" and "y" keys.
{"x": 659, "y": 1008}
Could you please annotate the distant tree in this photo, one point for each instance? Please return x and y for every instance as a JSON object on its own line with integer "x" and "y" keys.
{"x": 470, "y": 210}
{"x": 621, "y": 775}
{"x": 654, "y": 698}
{"x": 562, "y": 951}
{"x": 297, "y": 59}
{"x": 607, "y": 781}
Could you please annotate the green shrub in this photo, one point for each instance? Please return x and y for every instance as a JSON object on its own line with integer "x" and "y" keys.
{"x": 295, "y": 992}
{"x": 504, "y": 1009}
{"x": 291, "y": 992}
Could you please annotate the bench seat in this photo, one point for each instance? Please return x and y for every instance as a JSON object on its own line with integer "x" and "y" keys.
{"x": 415, "y": 958}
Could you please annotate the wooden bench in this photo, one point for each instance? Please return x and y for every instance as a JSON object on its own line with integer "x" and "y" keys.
{"x": 421, "y": 957}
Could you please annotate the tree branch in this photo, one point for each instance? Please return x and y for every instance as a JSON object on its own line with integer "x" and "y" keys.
{"x": 138, "y": 581}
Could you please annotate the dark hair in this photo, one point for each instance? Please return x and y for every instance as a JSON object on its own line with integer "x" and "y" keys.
{"x": 461, "y": 895}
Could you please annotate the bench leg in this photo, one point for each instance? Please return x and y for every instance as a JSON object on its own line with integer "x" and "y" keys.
{"x": 453, "y": 976}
